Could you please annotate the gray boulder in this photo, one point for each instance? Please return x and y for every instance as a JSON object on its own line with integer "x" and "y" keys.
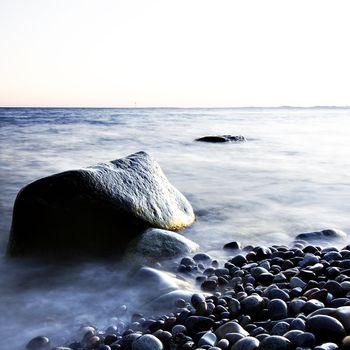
{"x": 155, "y": 244}
{"x": 96, "y": 210}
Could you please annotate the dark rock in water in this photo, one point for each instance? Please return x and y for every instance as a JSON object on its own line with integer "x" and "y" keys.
{"x": 38, "y": 343}
{"x": 325, "y": 328}
{"x": 232, "y": 246}
{"x": 202, "y": 257}
{"x": 222, "y": 138}
{"x": 322, "y": 235}
{"x": 97, "y": 210}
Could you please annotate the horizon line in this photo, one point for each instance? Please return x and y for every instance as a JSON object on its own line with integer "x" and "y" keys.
{"x": 173, "y": 107}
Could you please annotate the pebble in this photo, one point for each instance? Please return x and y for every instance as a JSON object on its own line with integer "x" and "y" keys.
{"x": 230, "y": 327}
{"x": 252, "y": 304}
{"x": 209, "y": 338}
{"x": 38, "y": 343}
{"x": 277, "y": 309}
{"x": 247, "y": 343}
{"x": 147, "y": 342}
{"x": 325, "y": 328}
{"x": 275, "y": 342}
{"x": 195, "y": 324}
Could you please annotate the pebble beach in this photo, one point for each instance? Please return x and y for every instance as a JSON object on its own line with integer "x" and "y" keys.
{"x": 267, "y": 298}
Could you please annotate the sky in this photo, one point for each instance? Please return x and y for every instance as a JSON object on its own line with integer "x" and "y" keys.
{"x": 179, "y": 53}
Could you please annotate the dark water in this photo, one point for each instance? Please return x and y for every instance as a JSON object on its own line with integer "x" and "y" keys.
{"x": 291, "y": 176}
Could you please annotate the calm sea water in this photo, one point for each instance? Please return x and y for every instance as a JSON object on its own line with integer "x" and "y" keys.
{"x": 291, "y": 176}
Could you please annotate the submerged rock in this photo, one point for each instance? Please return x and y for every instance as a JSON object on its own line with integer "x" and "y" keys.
{"x": 156, "y": 244}
{"x": 222, "y": 138}
{"x": 96, "y": 210}
{"x": 324, "y": 235}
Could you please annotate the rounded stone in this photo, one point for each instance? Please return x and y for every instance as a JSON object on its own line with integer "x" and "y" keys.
{"x": 223, "y": 344}
{"x": 345, "y": 344}
{"x": 209, "y": 338}
{"x": 247, "y": 343}
{"x": 155, "y": 244}
{"x": 38, "y": 343}
{"x": 147, "y": 342}
{"x": 277, "y": 309}
{"x": 196, "y": 299}
{"x": 252, "y": 304}
{"x": 275, "y": 342}
{"x": 195, "y": 324}
{"x": 234, "y": 307}
{"x": 179, "y": 328}
{"x": 312, "y": 305}
{"x": 280, "y": 328}
{"x": 325, "y": 328}
{"x": 305, "y": 340}
{"x": 277, "y": 293}
{"x": 230, "y": 327}
{"x": 297, "y": 282}
{"x": 292, "y": 335}
{"x": 342, "y": 314}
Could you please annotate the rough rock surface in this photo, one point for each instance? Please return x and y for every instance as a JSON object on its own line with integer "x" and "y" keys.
{"x": 222, "y": 138}
{"x": 96, "y": 210}
{"x": 156, "y": 244}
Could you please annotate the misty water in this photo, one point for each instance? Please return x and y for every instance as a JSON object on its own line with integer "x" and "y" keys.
{"x": 291, "y": 176}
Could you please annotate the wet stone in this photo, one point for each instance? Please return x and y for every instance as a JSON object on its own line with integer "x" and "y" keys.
{"x": 292, "y": 335}
{"x": 275, "y": 342}
{"x": 195, "y": 324}
{"x": 238, "y": 260}
{"x": 147, "y": 342}
{"x": 230, "y": 327}
{"x": 247, "y": 343}
{"x": 312, "y": 305}
{"x": 38, "y": 343}
{"x": 325, "y": 328}
{"x": 209, "y": 338}
{"x": 305, "y": 340}
{"x": 277, "y": 309}
{"x": 280, "y": 328}
{"x": 252, "y": 304}
{"x": 232, "y": 246}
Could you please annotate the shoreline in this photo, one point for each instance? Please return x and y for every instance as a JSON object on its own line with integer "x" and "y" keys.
{"x": 261, "y": 298}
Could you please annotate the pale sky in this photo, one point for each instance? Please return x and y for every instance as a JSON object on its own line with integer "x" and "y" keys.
{"x": 182, "y": 53}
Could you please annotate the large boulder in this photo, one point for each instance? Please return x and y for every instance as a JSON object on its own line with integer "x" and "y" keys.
{"x": 156, "y": 244}
{"x": 96, "y": 210}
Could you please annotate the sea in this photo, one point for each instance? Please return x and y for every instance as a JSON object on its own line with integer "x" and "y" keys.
{"x": 290, "y": 176}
